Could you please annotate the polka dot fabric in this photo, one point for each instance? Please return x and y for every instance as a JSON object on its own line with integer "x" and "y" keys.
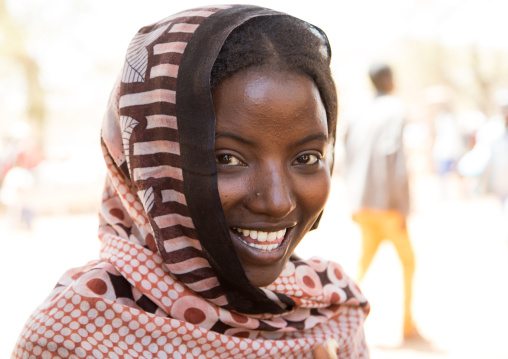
{"x": 84, "y": 317}
{"x": 153, "y": 293}
{"x": 83, "y": 320}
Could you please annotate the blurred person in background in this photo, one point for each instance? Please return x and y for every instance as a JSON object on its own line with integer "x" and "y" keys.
{"x": 20, "y": 155}
{"x": 449, "y": 140}
{"x": 17, "y": 148}
{"x": 377, "y": 182}
{"x": 496, "y": 171}
{"x": 476, "y": 163}
{"x": 487, "y": 161}
{"x": 495, "y": 126}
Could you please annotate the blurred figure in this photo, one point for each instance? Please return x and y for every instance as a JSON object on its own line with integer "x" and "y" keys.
{"x": 20, "y": 155}
{"x": 474, "y": 163}
{"x": 377, "y": 182}
{"x": 17, "y": 183}
{"x": 496, "y": 172}
{"x": 494, "y": 128}
{"x": 449, "y": 142}
{"x": 18, "y": 149}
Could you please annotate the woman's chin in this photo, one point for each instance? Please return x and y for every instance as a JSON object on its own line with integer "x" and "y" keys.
{"x": 262, "y": 279}
{"x": 262, "y": 267}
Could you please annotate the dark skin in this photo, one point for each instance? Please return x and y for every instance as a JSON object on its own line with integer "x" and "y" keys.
{"x": 270, "y": 145}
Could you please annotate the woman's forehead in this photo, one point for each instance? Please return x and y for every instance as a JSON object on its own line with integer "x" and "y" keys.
{"x": 268, "y": 103}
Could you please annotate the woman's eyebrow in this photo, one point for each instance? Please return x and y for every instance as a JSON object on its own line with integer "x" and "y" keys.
{"x": 318, "y": 136}
{"x": 233, "y": 136}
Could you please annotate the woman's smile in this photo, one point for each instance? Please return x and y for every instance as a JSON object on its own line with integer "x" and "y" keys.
{"x": 260, "y": 250}
{"x": 261, "y": 239}
{"x": 218, "y": 142}
{"x": 271, "y": 137}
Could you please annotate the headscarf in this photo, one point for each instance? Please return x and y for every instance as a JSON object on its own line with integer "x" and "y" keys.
{"x": 169, "y": 282}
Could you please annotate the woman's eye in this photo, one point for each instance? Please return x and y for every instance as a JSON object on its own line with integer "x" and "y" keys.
{"x": 229, "y": 160}
{"x": 306, "y": 159}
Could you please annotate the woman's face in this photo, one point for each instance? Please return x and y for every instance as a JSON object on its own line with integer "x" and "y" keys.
{"x": 270, "y": 140}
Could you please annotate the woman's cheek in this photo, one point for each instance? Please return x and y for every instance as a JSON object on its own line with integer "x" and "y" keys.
{"x": 319, "y": 190}
{"x": 224, "y": 192}
{"x": 232, "y": 189}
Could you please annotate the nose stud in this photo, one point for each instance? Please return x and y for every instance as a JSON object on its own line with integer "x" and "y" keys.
{"x": 258, "y": 194}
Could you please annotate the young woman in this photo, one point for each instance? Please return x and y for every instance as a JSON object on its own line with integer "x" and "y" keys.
{"x": 217, "y": 140}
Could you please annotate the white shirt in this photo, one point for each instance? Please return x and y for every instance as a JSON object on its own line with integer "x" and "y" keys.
{"x": 376, "y": 173}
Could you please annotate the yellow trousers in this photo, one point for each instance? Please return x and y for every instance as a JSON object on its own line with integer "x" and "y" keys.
{"x": 379, "y": 225}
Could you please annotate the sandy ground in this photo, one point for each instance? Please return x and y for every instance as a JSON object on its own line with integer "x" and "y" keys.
{"x": 461, "y": 280}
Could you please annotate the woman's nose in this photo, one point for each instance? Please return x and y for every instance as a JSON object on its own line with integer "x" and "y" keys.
{"x": 272, "y": 193}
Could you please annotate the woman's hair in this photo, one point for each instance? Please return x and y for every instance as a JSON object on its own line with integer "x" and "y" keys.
{"x": 281, "y": 43}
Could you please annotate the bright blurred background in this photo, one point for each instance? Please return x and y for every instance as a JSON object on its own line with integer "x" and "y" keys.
{"x": 58, "y": 62}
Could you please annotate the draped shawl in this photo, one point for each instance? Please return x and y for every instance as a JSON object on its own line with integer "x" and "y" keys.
{"x": 169, "y": 282}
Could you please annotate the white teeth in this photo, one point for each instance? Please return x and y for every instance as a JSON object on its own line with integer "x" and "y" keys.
{"x": 262, "y": 236}
{"x": 265, "y": 247}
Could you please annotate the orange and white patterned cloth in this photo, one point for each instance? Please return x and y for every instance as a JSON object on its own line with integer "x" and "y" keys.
{"x": 168, "y": 283}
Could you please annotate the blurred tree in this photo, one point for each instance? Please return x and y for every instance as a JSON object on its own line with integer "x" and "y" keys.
{"x": 474, "y": 70}
{"x": 490, "y": 74}
{"x": 13, "y": 45}
{"x": 457, "y": 44}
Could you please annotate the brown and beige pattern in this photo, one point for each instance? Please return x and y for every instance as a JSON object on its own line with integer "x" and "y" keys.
{"x": 163, "y": 287}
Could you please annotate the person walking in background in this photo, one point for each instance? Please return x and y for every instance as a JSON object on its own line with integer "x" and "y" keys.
{"x": 377, "y": 182}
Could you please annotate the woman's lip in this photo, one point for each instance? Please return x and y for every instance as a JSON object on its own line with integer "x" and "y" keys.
{"x": 264, "y": 227}
{"x": 257, "y": 255}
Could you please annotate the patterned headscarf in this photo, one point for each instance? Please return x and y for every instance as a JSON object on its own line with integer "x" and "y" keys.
{"x": 169, "y": 282}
